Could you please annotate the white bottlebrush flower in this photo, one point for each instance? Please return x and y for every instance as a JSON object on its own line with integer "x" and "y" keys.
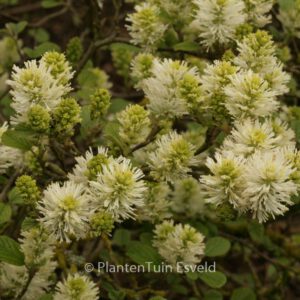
{"x": 146, "y": 27}
{"x": 215, "y": 78}
{"x": 157, "y": 204}
{"x": 290, "y": 18}
{"x": 34, "y": 85}
{"x": 217, "y": 75}
{"x": 216, "y": 20}
{"x": 257, "y": 52}
{"x": 268, "y": 185}
{"x": 254, "y": 50}
{"x": 65, "y": 211}
{"x": 179, "y": 244}
{"x": 173, "y": 157}
{"x": 167, "y": 90}
{"x": 8, "y": 156}
{"x": 285, "y": 136}
{"x": 249, "y": 95}
{"x": 258, "y": 11}
{"x": 225, "y": 183}
{"x": 119, "y": 189}
{"x": 187, "y": 197}
{"x": 78, "y": 287}
{"x": 276, "y": 77}
{"x": 249, "y": 136}
{"x": 37, "y": 246}
{"x": 89, "y": 165}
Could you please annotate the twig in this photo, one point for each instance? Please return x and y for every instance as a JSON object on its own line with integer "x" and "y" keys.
{"x": 8, "y": 185}
{"x": 148, "y": 140}
{"x": 90, "y": 51}
{"x": 50, "y": 16}
{"x": 31, "y": 273}
{"x": 263, "y": 255}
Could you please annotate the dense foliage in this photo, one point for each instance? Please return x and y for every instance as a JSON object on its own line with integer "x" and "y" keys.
{"x": 155, "y": 134}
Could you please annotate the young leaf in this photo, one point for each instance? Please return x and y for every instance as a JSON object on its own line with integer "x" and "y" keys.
{"x": 217, "y": 246}
{"x": 243, "y": 293}
{"x": 213, "y": 279}
{"x": 5, "y": 213}
{"x": 10, "y": 251}
{"x": 141, "y": 253}
{"x": 18, "y": 139}
{"x": 213, "y": 295}
{"x": 187, "y": 46}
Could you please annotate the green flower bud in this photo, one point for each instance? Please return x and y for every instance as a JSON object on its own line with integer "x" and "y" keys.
{"x": 228, "y": 55}
{"x": 284, "y": 54}
{"x": 39, "y": 118}
{"x": 134, "y": 124}
{"x": 243, "y": 30}
{"x": 28, "y": 189}
{"x": 101, "y": 222}
{"x": 32, "y": 162}
{"x": 65, "y": 116}
{"x": 122, "y": 55}
{"x": 95, "y": 165}
{"x": 190, "y": 90}
{"x": 226, "y": 212}
{"x": 100, "y": 102}
{"x": 59, "y": 67}
{"x": 141, "y": 68}
{"x": 74, "y": 50}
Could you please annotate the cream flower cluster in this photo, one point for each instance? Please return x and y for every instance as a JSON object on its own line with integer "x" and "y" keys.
{"x": 98, "y": 183}
{"x": 40, "y": 83}
{"x": 173, "y": 157}
{"x": 173, "y": 89}
{"x": 179, "y": 243}
{"x": 78, "y": 287}
{"x": 255, "y": 169}
{"x": 217, "y": 20}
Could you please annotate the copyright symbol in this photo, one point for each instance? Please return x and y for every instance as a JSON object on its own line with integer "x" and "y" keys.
{"x": 89, "y": 267}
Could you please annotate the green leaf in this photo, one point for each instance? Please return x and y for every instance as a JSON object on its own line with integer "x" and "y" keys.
{"x": 213, "y": 295}
{"x": 28, "y": 223}
{"x": 51, "y": 3}
{"x": 15, "y": 197}
{"x": 286, "y": 4}
{"x": 256, "y": 232}
{"x": 23, "y": 140}
{"x": 157, "y": 298}
{"x": 111, "y": 133}
{"x": 5, "y": 213}
{"x": 192, "y": 275}
{"x": 295, "y": 124}
{"x": 41, "y": 49}
{"x": 213, "y": 279}
{"x": 117, "y": 104}
{"x": 122, "y": 237}
{"x": 46, "y": 297}
{"x": 243, "y": 293}
{"x": 217, "y": 246}
{"x": 40, "y": 35}
{"x": 16, "y": 28}
{"x": 141, "y": 254}
{"x": 10, "y": 251}
{"x": 187, "y": 46}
